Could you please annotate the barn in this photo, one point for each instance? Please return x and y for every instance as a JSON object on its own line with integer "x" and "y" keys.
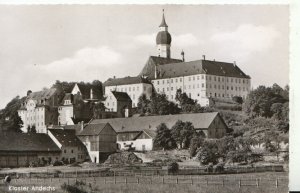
{"x": 23, "y": 149}
{"x": 139, "y": 132}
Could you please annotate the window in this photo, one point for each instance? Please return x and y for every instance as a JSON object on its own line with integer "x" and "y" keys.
{"x": 193, "y": 86}
{"x": 193, "y": 77}
{"x": 231, "y": 87}
{"x": 189, "y": 86}
{"x": 231, "y": 79}
{"x": 189, "y": 78}
{"x": 202, "y": 77}
{"x": 168, "y": 81}
{"x": 215, "y": 78}
{"x": 71, "y": 150}
{"x": 190, "y": 95}
{"x": 180, "y": 79}
{"x": 65, "y": 151}
{"x": 223, "y": 87}
{"x": 167, "y": 88}
{"x": 133, "y": 88}
{"x": 158, "y": 82}
{"x": 137, "y": 88}
{"x": 163, "y": 81}
{"x": 219, "y": 79}
{"x": 198, "y": 77}
{"x": 209, "y": 78}
{"x": 157, "y": 89}
{"x": 215, "y": 86}
{"x": 223, "y": 79}
{"x": 163, "y": 89}
{"x": 176, "y": 80}
{"x": 236, "y": 81}
{"x": 171, "y": 96}
{"x": 171, "y": 80}
{"x": 202, "y": 85}
{"x": 171, "y": 88}
{"x": 113, "y": 104}
{"x": 129, "y": 88}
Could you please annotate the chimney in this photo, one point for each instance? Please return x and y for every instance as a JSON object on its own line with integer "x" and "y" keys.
{"x": 114, "y": 77}
{"x": 203, "y": 57}
{"x": 81, "y": 124}
{"x": 234, "y": 63}
{"x": 182, "y": 55}
{"x": 29, "y": 92}
{"x": 91, "y": 93}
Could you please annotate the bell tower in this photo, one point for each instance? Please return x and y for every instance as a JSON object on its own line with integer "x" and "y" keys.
{"x": 163, "y": 39}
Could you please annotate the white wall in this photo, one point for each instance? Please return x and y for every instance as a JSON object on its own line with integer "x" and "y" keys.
{"x": 138, "y": 144}
{"x": 133, "y": 90}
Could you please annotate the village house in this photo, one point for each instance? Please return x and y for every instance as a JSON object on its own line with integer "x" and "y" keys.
{"x": 24, "y": 149}
{"x": 119, "y": 103}
{"x": 133, "y": 86}
{"x": 139, "y": 132}
{"x": 99, "y": 139}
{"x": 72, "y": 149}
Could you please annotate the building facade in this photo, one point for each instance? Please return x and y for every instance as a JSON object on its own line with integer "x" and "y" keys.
{"x": 133, "y": 86}
{"x": 118, "y": 102}
{"x": 40, "y": 109}
{"x": 99, "y": 139}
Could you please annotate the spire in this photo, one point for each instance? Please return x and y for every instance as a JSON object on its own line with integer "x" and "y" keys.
{"x": 163, "y": 21}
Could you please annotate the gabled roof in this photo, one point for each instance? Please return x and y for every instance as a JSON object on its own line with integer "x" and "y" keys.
{"x": 24, "y": 142}
{"x": 76, "y": 127}
{"x": 149, "y": 132}
{"x": 200, "y": 67}
{"x": 85, "y": 90}
{"x": 121, "y": 96}
{"x": 44, "y": 94}
{"x": 153, "y": 61}
{"x": 93, "y": 129}
{"x": 125, "y": 81}
{"x": 66, "y": 137}
{"x": 131, "y": 124}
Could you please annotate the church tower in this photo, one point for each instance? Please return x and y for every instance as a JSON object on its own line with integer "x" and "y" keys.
{"x": 163, "y": 39}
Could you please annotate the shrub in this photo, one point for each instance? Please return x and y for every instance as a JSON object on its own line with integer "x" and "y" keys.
{"x": 173, "y": 167}
{"x": 219, "y": 167}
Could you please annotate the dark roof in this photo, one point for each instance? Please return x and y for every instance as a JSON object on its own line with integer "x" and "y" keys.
{"x": 163, "y": 22}
{"x": 153, "y": 61}
{"x": 33, "y": 142}
{"x": 66, "y": 137}
{"x": 76, "y": 127}
{"x": 163, "y": 37}
{"x": 199, "y": 120}
{"x": 85, "y": 90}
{"x": 121, "y": 96}
{"x": 125, "y": 80}
{"x": 93, "y": 129}
{"x": 68, "y": 96}
{"x": 44, "y": 94}
{"x": 200, "y": 67}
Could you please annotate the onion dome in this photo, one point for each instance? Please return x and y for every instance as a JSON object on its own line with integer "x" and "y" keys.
{"x": 163, "y": 37}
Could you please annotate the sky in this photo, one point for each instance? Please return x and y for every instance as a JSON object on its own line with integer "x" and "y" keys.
{"x": 40, "y": 44}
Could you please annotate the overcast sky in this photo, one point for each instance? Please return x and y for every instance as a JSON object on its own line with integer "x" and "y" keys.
{"x": 41, "y": 44}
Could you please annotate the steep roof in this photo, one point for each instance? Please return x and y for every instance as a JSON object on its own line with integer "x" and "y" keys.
{"x": 85, "y": 90}
{"x": 66, "y": 137}
{"x": 33, "y": 142}
{"x": 125, "y": 81}
{"x": 148, "y": 69}
{"x": 199, "y": 120}
{"x": 121, "y": 96}
{"x": 163, "y": 21}
{"x": 200, "y": 67}
{"x": 44, "y": 94}
{"x": 76, "y": 127}
{"x": 93, "y": 129}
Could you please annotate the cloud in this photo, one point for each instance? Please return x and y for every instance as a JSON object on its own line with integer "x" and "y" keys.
{"x": 185, "y": 40}
{"x": 246, "y": 39}
{"x": 147, "y": 39}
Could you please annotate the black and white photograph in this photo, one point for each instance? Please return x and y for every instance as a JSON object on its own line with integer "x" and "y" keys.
{"x": 145, "y": 98}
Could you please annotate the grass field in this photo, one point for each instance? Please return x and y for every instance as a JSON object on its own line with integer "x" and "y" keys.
{"x": 235, "y": 183}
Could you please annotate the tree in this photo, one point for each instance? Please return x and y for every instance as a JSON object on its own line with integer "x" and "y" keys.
{"x": 9, "y": 117}
{"x": 182, "y": 133}
{"x": 159, "y": 105}
{"x": 143, "y": 104}
{"x": 186, "y": 103}
{"x": 196, "y": 142}
{"x": 163, "y": 138}
{"x": 208, "y": 153}
{"x": 98, "y": 108}
{"x": 31, "y": 129}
